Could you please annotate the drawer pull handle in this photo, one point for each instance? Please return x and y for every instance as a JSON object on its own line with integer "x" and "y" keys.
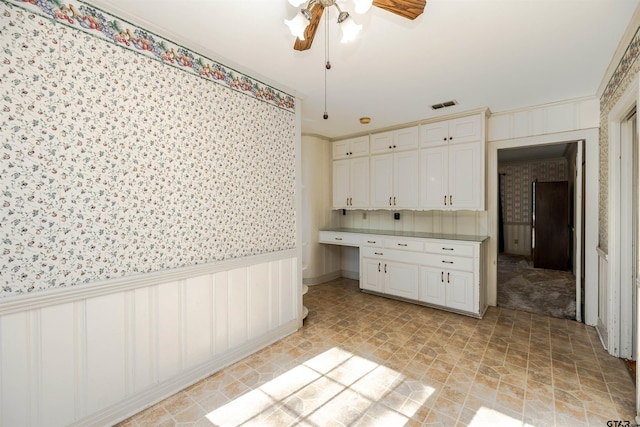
{"x": 338, "y": 238}
{"x": 442, "y": 276}
{"x": 402, "y": 244}
{"x": 385, "y": 268}
{"x": 378, "y": 267}
{"x": 371, "y": 241}
{"x": 448, "y": 275}
{"x": 447, "y": 249}
{"x": 378, "y": 253}
{"x": 447, "y": 262}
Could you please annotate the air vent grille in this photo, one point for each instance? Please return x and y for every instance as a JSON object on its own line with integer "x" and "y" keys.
{"x": 444, "y": 104}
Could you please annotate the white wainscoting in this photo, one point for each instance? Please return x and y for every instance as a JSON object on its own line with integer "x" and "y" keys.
{"x": 98, "y": 353}
{"x": 517, "y": 239}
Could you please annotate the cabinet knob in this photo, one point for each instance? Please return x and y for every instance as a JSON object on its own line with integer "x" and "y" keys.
{"x": 389, "y": 200}
{"x": 448, "y": 276}
{"x": 402, "y": 244}
{"x": 394, "y": 146}
{"x": 444, "y": 139}
{"x": 390, "y": 147}
{"x": 385, "y": 268}
{"x": 371, "y": 241}
{"x": 447, "y": 249}
{"x": 450, "y": 200}
{"x": 447, "y": 262}
{"x": 394, "y": 200}
{"x": 442, "y": 276}
{"x": 445, "y": 200}
{"x": 378, "y": 267}
{"x": 378, "y": 253}
{"x": 338, "y": 238}
{"x": 450, "y": 138}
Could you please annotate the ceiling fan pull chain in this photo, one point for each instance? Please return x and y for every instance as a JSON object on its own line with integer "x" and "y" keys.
{"x": 327, "y": 63}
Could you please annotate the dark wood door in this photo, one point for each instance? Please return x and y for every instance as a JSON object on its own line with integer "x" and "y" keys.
{"x": 551, "y": 225}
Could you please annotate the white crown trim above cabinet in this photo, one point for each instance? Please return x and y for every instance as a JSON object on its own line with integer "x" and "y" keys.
{"x": 438, "y": 165}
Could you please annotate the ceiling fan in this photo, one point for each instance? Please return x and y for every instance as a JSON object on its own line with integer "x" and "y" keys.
{"x": 305, "y": 24}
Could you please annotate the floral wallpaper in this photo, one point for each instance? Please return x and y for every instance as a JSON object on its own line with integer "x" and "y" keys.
{"x": 515, "y": 186}
{"x": 115, "y": 163}
{"x": 626, "y": 70}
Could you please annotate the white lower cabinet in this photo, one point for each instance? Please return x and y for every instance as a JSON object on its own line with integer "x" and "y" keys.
{"x": 444, "y": 273}
{"x": 381, "y": 273}
{"x": 447, "y": 288}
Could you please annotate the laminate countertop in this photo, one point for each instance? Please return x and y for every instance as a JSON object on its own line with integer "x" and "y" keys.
{"x": 420, "y": 234}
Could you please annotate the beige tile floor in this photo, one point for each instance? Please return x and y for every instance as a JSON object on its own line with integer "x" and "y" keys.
{"x": 366, "y": 360}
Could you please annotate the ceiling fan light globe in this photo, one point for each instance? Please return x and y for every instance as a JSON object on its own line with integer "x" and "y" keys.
{"x": 349, "y": 29}
{"x": 297, "y": 25}
{"x": 362, "y": 6}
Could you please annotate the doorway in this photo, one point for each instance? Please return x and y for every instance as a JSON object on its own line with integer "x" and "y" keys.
{"x": 531, "y": 275}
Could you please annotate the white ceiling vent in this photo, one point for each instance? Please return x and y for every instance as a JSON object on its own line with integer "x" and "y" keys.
{"x": 444, "y": 104}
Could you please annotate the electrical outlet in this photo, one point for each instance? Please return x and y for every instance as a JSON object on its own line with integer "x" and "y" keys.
{"x": 396, "y": 215}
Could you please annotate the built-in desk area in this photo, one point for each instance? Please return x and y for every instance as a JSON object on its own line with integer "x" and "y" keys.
{"x": 444, "y": 271}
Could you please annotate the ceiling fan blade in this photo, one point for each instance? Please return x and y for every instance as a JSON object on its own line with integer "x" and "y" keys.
{"x": 409, "y": 9}
{"x": 310, "y": 31}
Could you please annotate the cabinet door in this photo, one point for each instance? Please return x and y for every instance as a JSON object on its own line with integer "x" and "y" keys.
{"x": 372, "y": 274}
{"x": 433, "y": 134}
{"x": 465, "y": 180}
{"x": 382, "y": 142}
{"x": 465, "y": 129}
{"x": 382, "y": 181}
{"x": 405, "y": 139}
{"x": 401, "y": 279}
{"x": 359, "y": 146}
{"x": 405, "y": 179}
{"x": 341, "y": 183}
{"x": 432, "y": 285}
{"x": 341, "y": 149}
{"x": 359, "y": 182}
{"x": 459, "y": 290}
{"x": 434, "y": 178}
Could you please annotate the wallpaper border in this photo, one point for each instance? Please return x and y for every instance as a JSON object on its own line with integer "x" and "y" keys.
{"x": 93, "y": 20}
{"x": 628, "y": 58}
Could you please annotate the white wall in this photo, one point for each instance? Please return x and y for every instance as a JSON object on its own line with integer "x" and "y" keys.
{"x": 319, "y": 262}
{"x": 94, "y": 355}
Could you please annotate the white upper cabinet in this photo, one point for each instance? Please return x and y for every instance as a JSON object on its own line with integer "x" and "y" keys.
{"x": 351, "y": 183}
{"x": 452, "y": 169}
{"x": 454, "y": 131}
{"x": 395, "y": 140}
{"x": 352, "y": 147}
{"x": 393, "y": 180}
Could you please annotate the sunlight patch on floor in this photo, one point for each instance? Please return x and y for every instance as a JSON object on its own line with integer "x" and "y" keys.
{"x": 333, "y": 387}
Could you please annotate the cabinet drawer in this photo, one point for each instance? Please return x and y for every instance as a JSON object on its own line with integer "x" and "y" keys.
{"x": 404, "y": 244}
{"x": 450, "y": 263}
{"x": 371, "y": 240}
{"x": 446, "y": 248}
{"x": 338, "y": 238}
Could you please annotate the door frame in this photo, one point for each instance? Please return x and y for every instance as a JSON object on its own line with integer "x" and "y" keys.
{"x": 591, "y": 212}
{"x": 619, "y": 300}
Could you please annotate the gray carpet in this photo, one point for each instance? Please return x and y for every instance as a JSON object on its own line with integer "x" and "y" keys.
{"x": 535, "y": 290}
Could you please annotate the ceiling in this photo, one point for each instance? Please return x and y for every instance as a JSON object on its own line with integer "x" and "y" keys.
{"x": 500, "y": 54}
